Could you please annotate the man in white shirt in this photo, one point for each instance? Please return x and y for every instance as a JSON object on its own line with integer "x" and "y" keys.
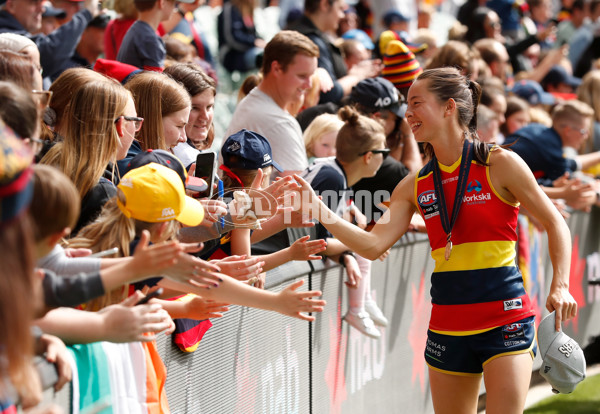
{"x": 290, "y": 59}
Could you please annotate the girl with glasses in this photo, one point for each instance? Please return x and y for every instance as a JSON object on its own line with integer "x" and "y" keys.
{"x": 165, "y": 106}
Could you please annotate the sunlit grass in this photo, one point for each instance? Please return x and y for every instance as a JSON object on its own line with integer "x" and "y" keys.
{"x": 585, "y": 399}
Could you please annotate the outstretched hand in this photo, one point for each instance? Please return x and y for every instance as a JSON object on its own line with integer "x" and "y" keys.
{"x": 150, "y": 260}
{"x": 125, "y": 322}
{"x": 239, "y": 267}
{"x": 296, "y": 304}
{"x": 309, "y": 200}
{"x": 305, "y": 249}
{"x": 195, "y": 271}
{"x": 199, "y": 308}
{"x": 213, "y": 211}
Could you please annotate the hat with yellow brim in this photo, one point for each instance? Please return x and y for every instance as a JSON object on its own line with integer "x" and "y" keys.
{"x": 155, "y": 193}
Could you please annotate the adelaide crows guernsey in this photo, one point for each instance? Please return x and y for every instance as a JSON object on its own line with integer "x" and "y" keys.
{"x": 479, "y": 287}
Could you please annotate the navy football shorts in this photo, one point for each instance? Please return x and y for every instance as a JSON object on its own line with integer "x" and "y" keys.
{"x": 467, "y": 355}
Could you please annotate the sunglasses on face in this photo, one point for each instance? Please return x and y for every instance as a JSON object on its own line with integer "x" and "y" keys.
{"x": 385, "y": 152}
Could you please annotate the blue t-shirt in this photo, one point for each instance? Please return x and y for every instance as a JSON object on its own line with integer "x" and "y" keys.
{"x": 142, "y": 47}
{"x": 541, "y": 149}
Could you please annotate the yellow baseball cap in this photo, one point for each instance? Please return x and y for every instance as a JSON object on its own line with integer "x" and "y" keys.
{"x": 155, "y": 193}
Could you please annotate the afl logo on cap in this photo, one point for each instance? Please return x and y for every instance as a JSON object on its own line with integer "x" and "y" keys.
{"x": 234, "y": 146}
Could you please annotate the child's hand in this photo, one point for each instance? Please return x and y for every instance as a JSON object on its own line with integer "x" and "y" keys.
{"x": 71, "y": 252}
{"x": 352, "y": 271}
{"x": 309, "y": 201}
{"x": 281, "y": 186}
{"x": 384, "y": 255}
{"x": 240, "y": 268}
{"x": 150, "y": 260}
{"x": 257, "y": 281}
{"x": 295, "y": 218}
{"x": 55, "y": 352}
{"x": 417, "y": 224}
{"x": 213, "y": 211}
{"x": 125, "y": 322}
{"x": 303, "y": 249}
{"x": 195, "y": 271}
{"x": 354, "y": 215}
{"x": 200, "y": 309}
{"x": 293, "y": 303}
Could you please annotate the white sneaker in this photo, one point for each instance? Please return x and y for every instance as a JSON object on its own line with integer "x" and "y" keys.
{"x": 363, "y": 323}
{"x": 375, "y": 313}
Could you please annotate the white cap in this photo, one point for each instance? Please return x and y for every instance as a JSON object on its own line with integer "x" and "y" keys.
{"x": 563, "y": 363}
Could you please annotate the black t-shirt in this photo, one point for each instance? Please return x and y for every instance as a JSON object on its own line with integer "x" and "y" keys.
{"x": 327, "y": 177}
{"x": 94, "y": 200}
{"x": 369, "y": 192}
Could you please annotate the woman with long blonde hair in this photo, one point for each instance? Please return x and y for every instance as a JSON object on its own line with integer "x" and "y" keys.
{"x": 93, "y": 129}
{"x": 62, "y": 90}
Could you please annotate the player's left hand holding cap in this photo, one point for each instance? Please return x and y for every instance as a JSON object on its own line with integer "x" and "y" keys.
{"x": 563, "y": 363}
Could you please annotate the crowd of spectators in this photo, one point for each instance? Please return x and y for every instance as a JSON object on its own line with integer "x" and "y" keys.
{"x": 105, "y": 108}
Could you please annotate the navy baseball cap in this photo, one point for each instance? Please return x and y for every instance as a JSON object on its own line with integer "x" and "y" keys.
{"x": 533, "y": 93}
{"x": 394, "y": 16}
{"x": 50, "y": 11}
{"x": 360, "y": 36}
{"x": 167, "y": 159}
{"x": 557, "y": 75}
{"x": 378, "y": 94}
{"x": 100, "y": 21}
{"x": 248, "y": 150}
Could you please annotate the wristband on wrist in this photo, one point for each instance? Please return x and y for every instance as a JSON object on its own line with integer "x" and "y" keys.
{"x": 344, "y": 254}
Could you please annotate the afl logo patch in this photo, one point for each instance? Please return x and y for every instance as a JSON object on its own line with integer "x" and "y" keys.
{"x": 513, "y": 327}
{"x": 428, "y": 204}
{"x": 426, "y": 198}
{"x": 513, "y": 334}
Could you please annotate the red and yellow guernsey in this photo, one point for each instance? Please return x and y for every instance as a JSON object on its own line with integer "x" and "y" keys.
{"x": 479, "y": 287}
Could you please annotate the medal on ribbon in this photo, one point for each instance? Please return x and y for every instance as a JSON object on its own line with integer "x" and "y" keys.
{"x": 463, "y": 173}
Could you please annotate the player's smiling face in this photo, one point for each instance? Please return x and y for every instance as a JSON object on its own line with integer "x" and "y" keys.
{"x": 424, "y": 114}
